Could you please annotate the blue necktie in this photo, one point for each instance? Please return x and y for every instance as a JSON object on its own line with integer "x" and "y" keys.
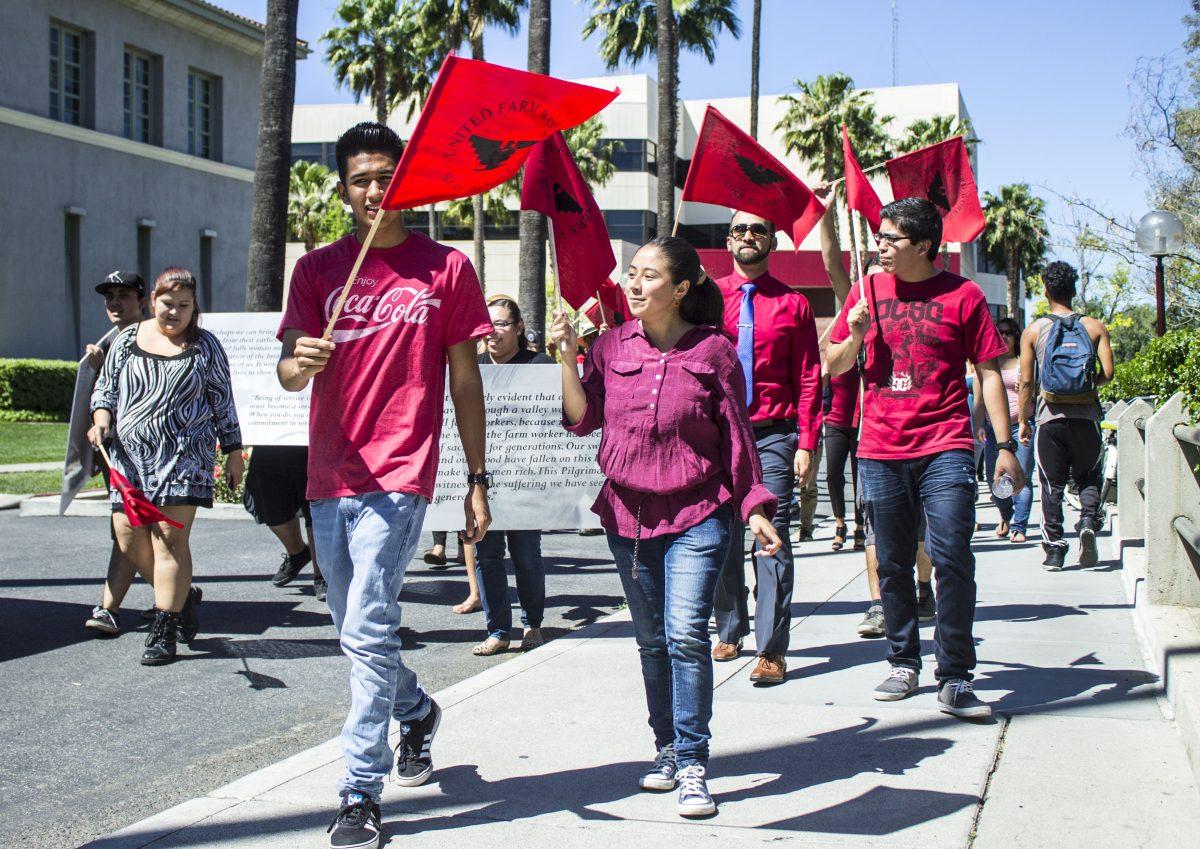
{"x": 745, "y": 339}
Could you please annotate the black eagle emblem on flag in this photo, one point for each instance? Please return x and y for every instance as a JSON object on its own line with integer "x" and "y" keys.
{"x": 493, "y": 153}
{"x": 937, "y": 193}
{"x": 760, "y": 175}
{"x": 564, "y": 202}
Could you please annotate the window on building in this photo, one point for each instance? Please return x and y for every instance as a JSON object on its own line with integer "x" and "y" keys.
{"x": 141, "y": 96}
{"x": 73, "y": 225}
{"x": 145, "y": 231}
{"x": 203, "y": 115}
{"x": 631, "y": 225}
{"x": 322, "y": 153}
{"x": 207, "y": 240}
{"x": 634, "y": 155}
{"x": 68, "y": 77}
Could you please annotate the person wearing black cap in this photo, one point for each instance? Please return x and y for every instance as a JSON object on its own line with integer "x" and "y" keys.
{"x": 125, "y": 305}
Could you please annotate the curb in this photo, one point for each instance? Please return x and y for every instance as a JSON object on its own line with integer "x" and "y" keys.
{"x": 96, "y": 504}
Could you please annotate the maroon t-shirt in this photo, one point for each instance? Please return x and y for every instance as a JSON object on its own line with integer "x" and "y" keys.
{"x": 921, "y": 336}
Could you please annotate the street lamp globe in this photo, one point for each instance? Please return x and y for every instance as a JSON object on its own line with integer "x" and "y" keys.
{"x": 1160, "y": 233}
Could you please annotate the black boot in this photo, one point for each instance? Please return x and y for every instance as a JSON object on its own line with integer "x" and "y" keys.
{"x": 160, "y": 643}
{"x": 189, "y": 624}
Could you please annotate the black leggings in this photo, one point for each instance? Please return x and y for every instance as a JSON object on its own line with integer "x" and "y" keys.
{"x": 840, "y": 442}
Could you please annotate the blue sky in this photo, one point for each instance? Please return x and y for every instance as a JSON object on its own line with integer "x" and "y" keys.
{"x": 1046, "y": 82}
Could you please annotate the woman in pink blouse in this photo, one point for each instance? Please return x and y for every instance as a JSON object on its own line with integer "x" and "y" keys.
{"x": 679, "y": 455}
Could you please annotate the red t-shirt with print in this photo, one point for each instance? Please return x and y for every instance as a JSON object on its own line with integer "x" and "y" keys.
{"x": 921, "y": 336}
{"x": 376, "y": 413}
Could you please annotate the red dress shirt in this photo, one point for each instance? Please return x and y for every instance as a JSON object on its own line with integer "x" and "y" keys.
{"x": 787, "y": 362}
{"x": 677, "y": 443}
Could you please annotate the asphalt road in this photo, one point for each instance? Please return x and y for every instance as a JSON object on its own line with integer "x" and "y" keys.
{"x": 93, "y": 741}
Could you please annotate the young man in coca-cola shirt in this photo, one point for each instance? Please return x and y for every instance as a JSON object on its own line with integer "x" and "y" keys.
{"x": 374, "y": 427}
{"x": 920, "y": 326}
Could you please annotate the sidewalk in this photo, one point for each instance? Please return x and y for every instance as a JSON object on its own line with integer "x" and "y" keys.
{"x": 544, "y": 751}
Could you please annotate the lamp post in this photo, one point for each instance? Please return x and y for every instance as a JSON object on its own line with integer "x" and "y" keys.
{"x": 1160, "y": 234}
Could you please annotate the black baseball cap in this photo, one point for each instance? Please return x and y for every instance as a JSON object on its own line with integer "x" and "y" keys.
{"x": 128, "y": 279}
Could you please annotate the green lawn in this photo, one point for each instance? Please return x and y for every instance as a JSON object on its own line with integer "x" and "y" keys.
{"x": 31, "y": 483}
{"x": 22, "y": 442}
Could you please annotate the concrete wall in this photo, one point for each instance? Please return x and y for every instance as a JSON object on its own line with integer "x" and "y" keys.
{"x": 50, "y": 166}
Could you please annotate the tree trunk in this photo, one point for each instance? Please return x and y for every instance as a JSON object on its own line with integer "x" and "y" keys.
{"x": 666, "y": 116}
{"x": 272, "y": 160}
{"x": 379, "y": 85}
{"x": 755, "y": 41}
{"x": 1012, "y": 274}
{"x": 475, "y": 22}
{"x": 433, "y": 228}
{"x": 531, "y": 292}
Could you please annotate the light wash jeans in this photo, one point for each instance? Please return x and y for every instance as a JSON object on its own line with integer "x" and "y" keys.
{"x": 365, "y": 544}
{"x": 671, "y": 600}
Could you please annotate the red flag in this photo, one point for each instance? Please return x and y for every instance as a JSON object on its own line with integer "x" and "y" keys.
{"x": 554, "y": 186}
{"x": 138, "y": 508}
{"x": 942, "y": 174}
{"x": 610, "y": 303}
{"x": 860, "y": 195}
{"x": 731, "y": 169}
{"x": 477, "y": 127}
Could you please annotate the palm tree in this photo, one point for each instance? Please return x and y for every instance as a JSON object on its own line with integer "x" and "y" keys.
{"x": 926, "y": 131}
{"x": 812, "y": 129}
{"x": 1015, "y": 236}
{"x": 268, "y": 216}
{"x": 458, "y": 21}
{"x": 633, "y": 30}
{"x": 755, "y": 41}
{"x": 308, "y": 202}
{"x": 531, "y": 275}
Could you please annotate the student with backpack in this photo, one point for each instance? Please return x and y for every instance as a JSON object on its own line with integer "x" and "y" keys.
{"x": 1066, "y": 347}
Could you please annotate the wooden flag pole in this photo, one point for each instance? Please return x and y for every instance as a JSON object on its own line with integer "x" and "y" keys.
{"x": 862, "y": 296}
{"x": 554, "y": 262}
{"x": 678, "y": 216}
{"x": 104, "y": 454}
{"x": 362, "y": 253}
{"x": 865, "y": 171}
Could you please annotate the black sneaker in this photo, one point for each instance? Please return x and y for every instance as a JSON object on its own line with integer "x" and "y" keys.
{"x": 320, "y": 588}
{"x": 356, "y": 825}
{"x": 926, "y": 608}
{"x": 1056, "y": 556}
{"x": 291, "y": 567}
{"x": 189, "y": 623}
{"x": 414, "y": 763}
{"x": 660, "y": 776}
{"x": 957, "y": 697}
{"x": 160, "y": 643}
{"x": 1088, "y": 555}
{"x": 103, "y": 621}
{"x": 900, "y": 684}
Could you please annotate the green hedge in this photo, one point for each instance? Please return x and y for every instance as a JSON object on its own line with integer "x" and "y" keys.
{"x": 1165, "y": 366}
{"x": 37, "y": 390}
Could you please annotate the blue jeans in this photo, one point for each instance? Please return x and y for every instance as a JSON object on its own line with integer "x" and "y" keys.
{"x": 1014, "y": 510}
{"x": 366, "y": 542}
{"x": 774, "y": 574}
{"x": 895, "y": 491}
{"x": 671, "y": 599}
{"x": 526, "y": 550}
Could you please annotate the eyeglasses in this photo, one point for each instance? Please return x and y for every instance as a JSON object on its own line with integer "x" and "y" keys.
{"x": 503, "y": 325}
{"x": 759, "y": 231}
{"x": 891, "y": 238}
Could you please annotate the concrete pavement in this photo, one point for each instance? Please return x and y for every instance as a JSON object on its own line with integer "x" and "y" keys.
{"x": 545, "y": 750}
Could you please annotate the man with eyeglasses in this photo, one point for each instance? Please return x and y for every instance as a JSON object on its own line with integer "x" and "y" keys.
{"x": 776, "y": 337}
{"x": 919, "y": 326}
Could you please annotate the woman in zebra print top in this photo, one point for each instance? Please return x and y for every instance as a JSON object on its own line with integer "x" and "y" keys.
{"x": 165, "y": 391}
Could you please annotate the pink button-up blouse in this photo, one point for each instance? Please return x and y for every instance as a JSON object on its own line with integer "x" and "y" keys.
{"x": 676, "y": 442}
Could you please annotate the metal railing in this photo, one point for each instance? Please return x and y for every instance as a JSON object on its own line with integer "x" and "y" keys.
{"x": 1158, "y": 495}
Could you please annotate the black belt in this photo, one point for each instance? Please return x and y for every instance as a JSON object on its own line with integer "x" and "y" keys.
{"x": 769, "y": 423}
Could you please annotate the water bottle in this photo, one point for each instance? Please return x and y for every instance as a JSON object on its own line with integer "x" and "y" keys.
{"x": 1003, "y": 488}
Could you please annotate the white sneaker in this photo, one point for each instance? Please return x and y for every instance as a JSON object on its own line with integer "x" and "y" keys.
{"x": 694, "y": 800}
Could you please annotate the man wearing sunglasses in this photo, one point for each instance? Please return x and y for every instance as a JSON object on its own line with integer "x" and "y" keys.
{"x": 919, "y": 326}
{"x": 776, "y": 338}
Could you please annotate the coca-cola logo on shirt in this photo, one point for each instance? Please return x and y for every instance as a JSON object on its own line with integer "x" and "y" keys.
{"x": 365, "y": 313}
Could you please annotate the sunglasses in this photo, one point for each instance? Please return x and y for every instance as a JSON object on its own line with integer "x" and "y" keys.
{"x": 890, "y": 238}
{"x": 759, "y": 231}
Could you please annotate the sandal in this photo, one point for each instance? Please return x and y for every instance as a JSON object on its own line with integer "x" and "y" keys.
{"x": 489, "y": 647}
{"x": 1017, "y": 536}
{"x": 839, "y": 537}
{"x": 467, "y": 606}
{"x": 860, "y": 539}
{"x": 532, "y": 639}
{"x": 1002, "y": 529}
{"x": 434, "y": 559}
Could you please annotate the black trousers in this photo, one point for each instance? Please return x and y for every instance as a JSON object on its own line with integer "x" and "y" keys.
{"x": 1068, "y": 449}
{"x": 841, "y": 442}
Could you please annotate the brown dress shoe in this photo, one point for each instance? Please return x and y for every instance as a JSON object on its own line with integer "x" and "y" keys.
{"x": 770, "y": 669}
{"x": 726, "y": 651}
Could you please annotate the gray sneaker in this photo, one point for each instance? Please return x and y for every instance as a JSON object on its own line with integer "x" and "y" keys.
{"x": 694, "y": 798}
{"x": 900, "y": 683}
{"x": 1088, "y": 556}
{"x": 103, "y": 621}
{"x": 661, "y": 776}
{"x": 957, "y": 697}
{"x": 872, "y": 622}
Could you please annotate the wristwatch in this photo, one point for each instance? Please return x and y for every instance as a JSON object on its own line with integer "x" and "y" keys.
{"x": 1011, "y": 445}
{"x": 484, "y": 479}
